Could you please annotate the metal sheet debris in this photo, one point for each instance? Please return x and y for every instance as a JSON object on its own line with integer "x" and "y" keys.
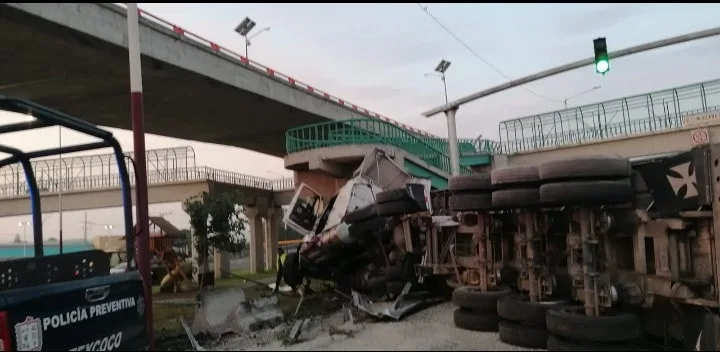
{"x": 397, "y": 309}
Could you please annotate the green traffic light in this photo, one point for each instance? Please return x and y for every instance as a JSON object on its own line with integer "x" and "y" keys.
{"x": 602, "y": 66}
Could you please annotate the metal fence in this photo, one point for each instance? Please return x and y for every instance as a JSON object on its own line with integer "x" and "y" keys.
{"x": 94, "y": 172}
{"x": 644, "y": 113}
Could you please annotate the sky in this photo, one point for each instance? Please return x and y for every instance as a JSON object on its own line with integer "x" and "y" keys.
{"x": 377, "y": 55}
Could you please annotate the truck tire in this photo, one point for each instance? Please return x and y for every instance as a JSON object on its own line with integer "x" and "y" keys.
{"x": 519, "y": 309}
{"x": 583, "y": 168}
{"x": 587, "y": 192}
{"x": 516, "y": 198}
{"x": 522, "y": 335}
{"x": 361, "y": 214}
{"x": 472, "y": 298}
{"x": 469, "y": 320}
{"x": 515, "y": 176}
{"x": 570, "y": 323}
{"x": 470, "y": 183}
{"x": 398, "y": 207}
{"x": 555, "y": 343}
{"x": 391, "y": 195}
{"x": 470, "y": 201}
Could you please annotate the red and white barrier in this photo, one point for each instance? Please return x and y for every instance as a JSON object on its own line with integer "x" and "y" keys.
{"x": 273, "y": 73}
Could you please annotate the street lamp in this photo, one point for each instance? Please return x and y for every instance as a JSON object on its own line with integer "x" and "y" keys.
{"x": 440, "y": 69}
{"x": 109, "y": 229}
{"x": 452, "y": 129}
{"x": 24, "y": 225}
{"x": 244, "y": 29}
{"x": 579, "y": 94}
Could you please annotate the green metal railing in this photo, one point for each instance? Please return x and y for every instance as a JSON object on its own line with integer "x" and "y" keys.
{"x": 369, "y": 131}
{"x": 466, "y": 146}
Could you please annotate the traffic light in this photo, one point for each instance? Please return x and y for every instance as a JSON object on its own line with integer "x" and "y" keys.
{"x": 602, "y": 61}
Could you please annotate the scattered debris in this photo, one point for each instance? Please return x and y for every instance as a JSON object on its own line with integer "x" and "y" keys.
{"x": 334, "y": 330}
{"x": 195, "y": 345}
{"x": 228, "y": 310}
{"x": 404, "y": 304}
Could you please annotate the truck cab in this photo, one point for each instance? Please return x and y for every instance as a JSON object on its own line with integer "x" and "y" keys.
{"x": 309, "y": 214}
{"x": 68, "y": 301}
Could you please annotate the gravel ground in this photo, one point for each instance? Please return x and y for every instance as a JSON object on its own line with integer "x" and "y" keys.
{"x": 429, "y": 330}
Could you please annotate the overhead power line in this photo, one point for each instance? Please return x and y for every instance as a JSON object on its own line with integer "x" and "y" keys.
{"x": 486, "y": 62}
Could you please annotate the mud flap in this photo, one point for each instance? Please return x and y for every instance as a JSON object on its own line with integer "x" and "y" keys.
{"x": 399, "y": 308}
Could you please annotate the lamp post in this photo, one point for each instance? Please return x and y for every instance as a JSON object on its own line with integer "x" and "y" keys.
{"x": 579, "y": 94}
{"x": 244, "y": 29}
{"x": 109, "y": 229}
{"x": 24, "y": 225}
{"x": 452, "y": 128}
{"x": 440, "y": 69}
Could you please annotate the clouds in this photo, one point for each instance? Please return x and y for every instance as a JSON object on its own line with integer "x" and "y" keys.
{"x": 597, "y": 19}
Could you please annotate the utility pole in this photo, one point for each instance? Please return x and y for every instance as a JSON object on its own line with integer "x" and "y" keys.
{"x": 451, "y": 108}
{"x": 142, "y": 242}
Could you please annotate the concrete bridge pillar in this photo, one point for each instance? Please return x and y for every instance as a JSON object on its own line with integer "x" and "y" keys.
{"x": 323, "y": 183}
{"x": 257, "y": 239}
{"x": 274, "y": 223}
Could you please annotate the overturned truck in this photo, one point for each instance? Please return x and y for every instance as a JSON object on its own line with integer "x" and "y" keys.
{"x": 354, "y": 239}
{"x": 592, "y": 253}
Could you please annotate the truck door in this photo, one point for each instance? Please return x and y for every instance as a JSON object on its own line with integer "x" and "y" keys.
{"x": 304, "y": 210}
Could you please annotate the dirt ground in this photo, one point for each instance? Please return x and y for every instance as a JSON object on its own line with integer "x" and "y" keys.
{"x": 429, "y": 330}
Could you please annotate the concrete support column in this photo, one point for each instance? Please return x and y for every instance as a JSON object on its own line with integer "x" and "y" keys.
{"x": 257, "y": 237}
{"x": 274, "y": 221}
{"x": 325, "y": 184}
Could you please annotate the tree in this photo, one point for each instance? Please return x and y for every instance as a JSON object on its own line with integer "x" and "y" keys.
{"x": 218, "y": 221}
{"x": 17, "y": 238}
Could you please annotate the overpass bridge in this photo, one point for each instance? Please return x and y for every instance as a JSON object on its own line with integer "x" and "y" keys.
{"x": 645, "y": 124}
{"x": 73, "y": 57}
{"x": 92, "y": 182}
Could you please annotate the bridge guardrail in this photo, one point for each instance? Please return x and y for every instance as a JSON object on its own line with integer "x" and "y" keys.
{"x": 658, "y": 111}
{"x": 365, "y": 131}
{"x": 202, "y": 173}
{"x": 182, "y": 32}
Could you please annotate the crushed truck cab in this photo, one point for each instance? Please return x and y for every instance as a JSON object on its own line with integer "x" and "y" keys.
{"x": 345, "y": 238}
{"x": 309, "y": 214}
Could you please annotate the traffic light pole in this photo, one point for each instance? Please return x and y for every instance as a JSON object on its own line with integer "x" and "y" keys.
{"x": 454, "y": 105}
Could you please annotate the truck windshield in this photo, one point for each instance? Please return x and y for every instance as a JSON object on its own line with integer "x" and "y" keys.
{"x": 35, "y": 117}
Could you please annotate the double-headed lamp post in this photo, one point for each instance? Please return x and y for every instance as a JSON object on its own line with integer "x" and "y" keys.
{"x": 579, "y": 94}
{"x": 244, "y": 29}
{"x": 109, "y": 229}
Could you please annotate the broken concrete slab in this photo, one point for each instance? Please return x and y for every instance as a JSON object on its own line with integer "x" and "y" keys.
{"x": 228, "y": 310}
